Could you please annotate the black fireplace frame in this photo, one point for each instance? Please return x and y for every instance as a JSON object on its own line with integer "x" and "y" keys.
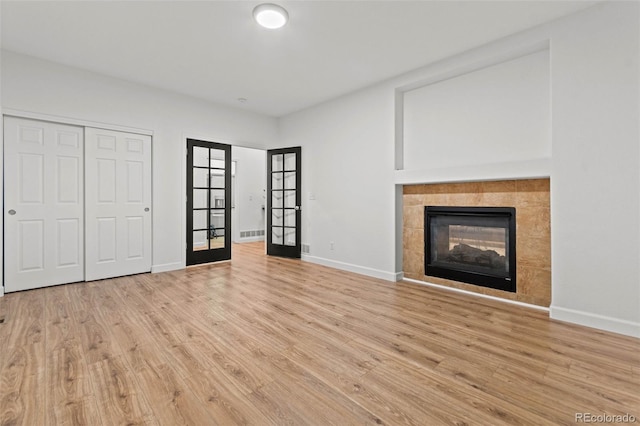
{"x": 485, "y": 280}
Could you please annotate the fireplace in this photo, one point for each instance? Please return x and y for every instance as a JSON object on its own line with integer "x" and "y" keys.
{"x": 475, "y": 245}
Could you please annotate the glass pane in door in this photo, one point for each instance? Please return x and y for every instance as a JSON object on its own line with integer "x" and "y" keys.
{"x": 277, "y": 163}
{"x": 200, "y": 198}
{"x": 200, "y": 240}
{"x": 290, "y": 162}
{"x": 200, "y": 219}
{"x": 200, "y": 177}
{"x": 200, "y": 156}
{"x": 290, "y": 180}
{"x": 290, "y": 236}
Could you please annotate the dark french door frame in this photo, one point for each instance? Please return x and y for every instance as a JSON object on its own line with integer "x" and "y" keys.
{"x": 284, "y": 250}
{"x": 194, "y": 257}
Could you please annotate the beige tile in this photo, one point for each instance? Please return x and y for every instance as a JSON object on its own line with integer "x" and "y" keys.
{"x": 534, "y": 252}
{"x": 498, "y": 194}
{"x": 535, "y": 283}
{"x": 412, "y": 199}
{"x": 437, "y": 188}
{"x": 413, "y": 217}
{"x": 496, "y": 199}
{"x": 499, "y": 186}
{"x": 532, "y": 300}
{"x": 464, "y": 188}
{"x": 413, "y": 262}
{"x": 533, "y": 185}
{"x": 533, "y": 193}
{"x": 413, "y": 189}
{"x": 434, "y": 199}
{"x": 533, "y": 222}
{"x": 463, "y": 199}
{"x": 413, "y": 239}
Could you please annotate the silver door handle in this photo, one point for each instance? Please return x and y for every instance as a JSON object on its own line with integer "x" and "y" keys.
{"x": 12, "y": 212}
{"x": 297, "y": 207}
{"x": 146, "y": 209}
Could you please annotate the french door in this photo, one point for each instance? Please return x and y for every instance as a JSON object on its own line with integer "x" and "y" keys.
{"x": 283, "y": 202}
{"x": 208, "y": 202}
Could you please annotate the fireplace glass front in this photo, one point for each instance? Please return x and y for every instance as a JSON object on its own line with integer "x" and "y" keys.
{"x": 474, "y": 245}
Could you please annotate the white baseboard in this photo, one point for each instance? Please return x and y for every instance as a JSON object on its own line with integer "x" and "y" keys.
{"x": 601, "y": 322}
{"x": 483, "y": 296}
{"x": 370, "y": 272}
{"x": 249, "y": 239}
{"x": 167, "y": 267}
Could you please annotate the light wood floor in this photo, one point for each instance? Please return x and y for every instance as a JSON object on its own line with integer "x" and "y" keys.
{"x": 274, "y": 341}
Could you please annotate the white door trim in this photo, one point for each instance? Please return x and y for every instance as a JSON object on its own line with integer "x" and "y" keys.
{"x": 73, "y": 121}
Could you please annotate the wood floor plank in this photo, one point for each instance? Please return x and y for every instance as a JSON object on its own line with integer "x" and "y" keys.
{"x": 22, "y": 387}
{"x": 24, "y": 363}
{"x": 70, "y": 396}
{"x": 225, "y": 405}
{"x": 264, "y": 340}
{"x": 25, "y": 318}
{"x": 118, "y": 399}
{"x": 78, "y": 412}
{"x": 170, "y": 397}
{"x": 312, "y": 398}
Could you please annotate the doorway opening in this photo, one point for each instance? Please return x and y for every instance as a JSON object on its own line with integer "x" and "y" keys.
{"x": 248, "y": 188}
{"x": 241, "y": 195}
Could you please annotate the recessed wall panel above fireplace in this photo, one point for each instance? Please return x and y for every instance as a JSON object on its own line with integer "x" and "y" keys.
{"x": 475, "y": 245}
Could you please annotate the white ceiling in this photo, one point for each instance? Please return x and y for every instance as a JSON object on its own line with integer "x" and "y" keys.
{"x": 215, "y": 51}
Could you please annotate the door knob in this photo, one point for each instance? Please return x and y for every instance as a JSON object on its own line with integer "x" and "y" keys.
{"x": 297, "y": 207}
{"x": 12, "y": 212}
{"x": 146, "y": 209}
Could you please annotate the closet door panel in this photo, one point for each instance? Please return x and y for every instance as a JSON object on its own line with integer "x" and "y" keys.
{"x": 31, "y": 247}
{"x": 118, "y": 202}
{"x": 43, "y": 216}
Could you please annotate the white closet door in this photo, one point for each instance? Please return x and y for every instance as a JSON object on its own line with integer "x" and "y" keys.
{"x": 43, "y": 200}
{"x": 117, "y": 203}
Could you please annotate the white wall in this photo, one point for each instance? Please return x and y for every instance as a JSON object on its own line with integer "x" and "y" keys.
{"x": 595, "y": 190}
{"x": 347, "y": 181}
{"x": 495, "y": 114}
{"x": 348, "y": 165}
{"x": 250, "y": 191}
{"x": 34, "y": 85}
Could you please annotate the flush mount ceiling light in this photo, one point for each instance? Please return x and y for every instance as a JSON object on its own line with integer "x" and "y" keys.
{"x": 270, "y": 15}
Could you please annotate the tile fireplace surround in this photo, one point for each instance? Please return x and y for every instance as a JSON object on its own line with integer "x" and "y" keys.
{"x": 533, "y": 231}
